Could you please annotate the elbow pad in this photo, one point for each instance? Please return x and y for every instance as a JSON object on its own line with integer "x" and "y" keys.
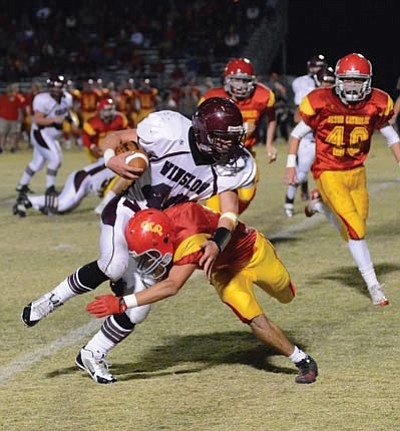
{"x": 390, "y": 135}
{"x": 301, "y": 130}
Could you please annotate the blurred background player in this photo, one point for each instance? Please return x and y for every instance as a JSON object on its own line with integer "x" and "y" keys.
{"x": 166, "y": 247}
{"x": 147, "y": 99}
{"x": 29, "y": 96}
{"x": 72, "y": 129}
{"x": 253, "y": 100}
{"x": 97, "y": 127}
{"x": 343, "y": 119}
{"x": 325, "y": 77}
{"x": 94, "y": 178}
{"x": 50, "y": 109}
{"x": 126, "y": 101}
{"x": 301, "y": 86}
{"x": 12, "y": 114}
{"x": 90, "y": 97}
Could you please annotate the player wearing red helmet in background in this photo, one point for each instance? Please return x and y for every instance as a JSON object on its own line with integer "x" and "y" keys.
{"x": 166, "y": 247}
{"x": 253, "y": 99}
{"x": 96, "y": 128}
{"x": 343, "y": 119}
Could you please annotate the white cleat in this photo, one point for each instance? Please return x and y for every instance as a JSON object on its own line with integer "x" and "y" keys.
{"x": 35, "y": 311}
{"x": 377, "y": 295}
{"x": 315, "y": 201}
{"x": 288, "y": 210}
{"x": 96, "y": 368}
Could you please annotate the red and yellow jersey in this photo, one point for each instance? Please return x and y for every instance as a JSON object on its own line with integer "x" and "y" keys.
{"x": 126, "y": 100}
{"x": 262, "y": 100}
{"x": 95, "y": 129}
{"x": 147, "y": 98}
{"x": 193, "y": 226}
{"x": 89, "y": 101}
{"x": 343, "y": 132}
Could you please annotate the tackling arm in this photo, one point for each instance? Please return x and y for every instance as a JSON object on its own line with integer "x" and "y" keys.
{"x": 106, "y": 305}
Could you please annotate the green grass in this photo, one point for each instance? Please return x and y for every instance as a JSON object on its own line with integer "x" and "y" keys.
{"x": 192, "y": 365}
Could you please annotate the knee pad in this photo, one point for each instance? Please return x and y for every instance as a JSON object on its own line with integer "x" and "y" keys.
{"x": 138, "y": 314}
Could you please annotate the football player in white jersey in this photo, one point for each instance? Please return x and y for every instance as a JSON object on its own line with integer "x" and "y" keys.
{"x": 50, "y": 109}
{"x": 93, "y": 178}
{"x": 301, "y": 86}
{"x": 190, "y": 160}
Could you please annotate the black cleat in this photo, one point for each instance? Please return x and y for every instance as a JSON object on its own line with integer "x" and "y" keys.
{"x": 308, "y": 370}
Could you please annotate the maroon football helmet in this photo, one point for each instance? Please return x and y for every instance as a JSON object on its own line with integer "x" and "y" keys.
{"x": 315, "y": 63}
{"x": 218, "y": 129}
{"x": 325, "y": 76}
{"x": 56, "y": 84}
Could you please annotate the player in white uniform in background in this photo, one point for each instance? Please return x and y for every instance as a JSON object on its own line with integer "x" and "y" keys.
{"x": 50, "y": 109}
{"x": 91, "y": 179}
{"x": 190, "y": 160}
{"x": 301, "y": 86}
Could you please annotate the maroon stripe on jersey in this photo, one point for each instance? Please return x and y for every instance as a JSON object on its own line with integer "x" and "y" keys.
{"x": 97, "y": 169}
{"x": 78, "y": 179}
{"x": 39, "y": 139}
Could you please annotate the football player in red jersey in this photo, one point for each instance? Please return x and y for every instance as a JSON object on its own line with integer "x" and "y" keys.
{"x": 253, "y": 99}
{"x": 96, "y": 128}
{"x": 90, "y": 96}
{"x": 166, "y": 247}
{"x": 343, "y": 119}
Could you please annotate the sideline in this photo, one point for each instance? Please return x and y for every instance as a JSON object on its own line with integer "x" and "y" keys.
{"x": 25, "y": 362}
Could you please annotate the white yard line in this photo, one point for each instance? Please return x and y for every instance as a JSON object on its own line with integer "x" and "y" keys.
{"x": 25, "y": 362}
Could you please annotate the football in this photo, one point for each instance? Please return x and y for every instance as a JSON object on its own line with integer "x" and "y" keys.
{"x": 137, "y": 160}
{"x": 137, "y": 157}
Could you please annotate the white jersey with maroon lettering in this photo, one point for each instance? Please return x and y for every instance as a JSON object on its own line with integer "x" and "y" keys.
{"x": 173, "y": 176}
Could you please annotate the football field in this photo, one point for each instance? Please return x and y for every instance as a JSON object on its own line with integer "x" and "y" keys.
{"x": 192, "y": 365}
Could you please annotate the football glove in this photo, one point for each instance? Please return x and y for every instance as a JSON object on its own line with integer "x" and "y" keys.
{"x": 106, "y": 305}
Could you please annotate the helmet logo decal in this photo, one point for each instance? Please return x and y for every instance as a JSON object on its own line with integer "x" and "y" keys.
{"x": 152, "y": 227}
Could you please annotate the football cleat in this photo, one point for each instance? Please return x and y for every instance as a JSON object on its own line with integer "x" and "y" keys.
{"x": 96, "y": 368}
{"x": 21, "y": 205}
{"x": 308, "y": 370}
{"x": 377, "y": 295}
{"x": 312, "y": 207}
{"x": 23, "y": 189}
{"x": 51, "y": 201}
{"x": 34, "y": 312}
{"x": 288, "y": 209}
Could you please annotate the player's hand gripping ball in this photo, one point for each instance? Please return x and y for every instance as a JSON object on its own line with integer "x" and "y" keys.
{"x": 137, "y": 157}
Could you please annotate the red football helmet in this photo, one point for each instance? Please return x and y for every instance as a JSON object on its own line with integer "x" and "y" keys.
{"x": 149, "y": 235}
{"x": 106, "y": 110}
{"x": 353, "y": 74}
{"x": 218, "y": 129}
{"x": 239, "y": 78}
{"x": 315, "y": 63}
{"x": 325, "y": 76}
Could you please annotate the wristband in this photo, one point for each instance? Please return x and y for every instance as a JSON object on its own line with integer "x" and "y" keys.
{"x": 291, "y": 161}
{"x": 230, "y": 216}
{"x": 130, "y": 301}
{"x": 108, "y": 154}
{"x": 221, "y": 237}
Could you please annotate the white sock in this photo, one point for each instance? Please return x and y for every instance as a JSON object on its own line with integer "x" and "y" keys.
{"x": 297, "y": 355}
{"x": 359, "y": 251}
{"x": 63, "y": 292}
{"x": 291, "y": 191}
{"x": 100, "y": 345}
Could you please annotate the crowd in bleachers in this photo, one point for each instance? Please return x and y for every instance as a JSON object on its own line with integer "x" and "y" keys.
{"x": 82, "y": 38}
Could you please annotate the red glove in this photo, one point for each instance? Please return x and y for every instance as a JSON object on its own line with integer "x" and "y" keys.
{"x": 106, "y": 305}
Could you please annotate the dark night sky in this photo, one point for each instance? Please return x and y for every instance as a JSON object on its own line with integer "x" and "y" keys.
{"x": 338, "y": 27}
